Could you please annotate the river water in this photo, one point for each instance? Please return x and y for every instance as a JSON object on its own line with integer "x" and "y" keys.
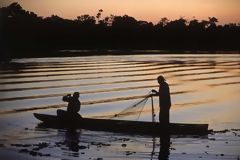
{"x": 204, "y": 89}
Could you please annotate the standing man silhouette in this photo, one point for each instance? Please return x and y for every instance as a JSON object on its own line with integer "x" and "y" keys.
{"x": 164, "y": 100}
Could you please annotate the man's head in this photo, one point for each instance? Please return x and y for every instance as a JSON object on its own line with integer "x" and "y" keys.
{"x": 76, "y": 95}
{"x": 161, "y": 79}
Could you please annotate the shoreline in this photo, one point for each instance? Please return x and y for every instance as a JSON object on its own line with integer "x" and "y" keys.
{"x": 95, "y": 52}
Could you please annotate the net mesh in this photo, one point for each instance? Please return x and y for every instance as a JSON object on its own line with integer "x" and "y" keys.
{"x": 133, "y": 111}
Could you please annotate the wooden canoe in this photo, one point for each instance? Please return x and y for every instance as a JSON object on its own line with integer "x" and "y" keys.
{"x": 123, "y": 126}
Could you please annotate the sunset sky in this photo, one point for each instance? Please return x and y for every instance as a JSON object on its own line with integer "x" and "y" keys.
{"x": 150, "y": 10}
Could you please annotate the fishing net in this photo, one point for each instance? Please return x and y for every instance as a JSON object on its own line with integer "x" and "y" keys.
{"x": 133, "y": 111}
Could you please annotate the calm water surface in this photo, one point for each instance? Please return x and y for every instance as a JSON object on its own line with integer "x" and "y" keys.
{"x": 204, "y": 89}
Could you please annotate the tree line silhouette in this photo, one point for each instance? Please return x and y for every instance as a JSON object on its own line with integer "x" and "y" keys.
{"x": 23, "y": 31}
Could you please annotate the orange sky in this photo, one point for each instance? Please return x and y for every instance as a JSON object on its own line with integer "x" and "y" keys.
{"x": 150, "y": 10}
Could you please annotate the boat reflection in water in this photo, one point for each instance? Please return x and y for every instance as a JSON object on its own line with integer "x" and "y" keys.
{"x": 88, "y": 144}
{"x": 72, "y": 140}
{"x": 72, "y": 143}
{"x": 164, "y": 147}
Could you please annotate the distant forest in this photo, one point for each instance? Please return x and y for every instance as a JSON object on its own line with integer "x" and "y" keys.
{"x": 23, "y": 32}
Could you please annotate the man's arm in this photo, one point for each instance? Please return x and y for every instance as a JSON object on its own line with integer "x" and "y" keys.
{"x": 66, "y": 98}
{"x": 155, "y": 93}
